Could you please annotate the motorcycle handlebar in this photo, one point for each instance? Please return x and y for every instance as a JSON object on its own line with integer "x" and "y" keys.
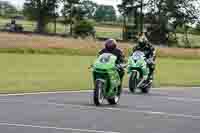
{"x": 121, "y": 65}
{"x": 118, "y": 66}
{"x": 90, "y": 66}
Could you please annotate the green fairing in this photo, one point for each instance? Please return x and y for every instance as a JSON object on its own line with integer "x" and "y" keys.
{"x": 138, "y": 71}
{"x": 104, "y": 68}
{"x": 110, "y": 64}
{"x": 141, "y": 63}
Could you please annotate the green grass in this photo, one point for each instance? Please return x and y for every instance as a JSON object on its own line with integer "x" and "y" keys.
{"x": 33, "y": 73}
{"x": 115, "y": 35}
{"x": 28, "y": 73}
{"x": 3, "y": 21}
{"x": 177, "y": 72}
{"x": 194, "y": 40}
{"x": 60, "y": 28}
{"x": 51, "y": 51}
{"x": 28, "y": 25}
{"x": 161, "y": 53}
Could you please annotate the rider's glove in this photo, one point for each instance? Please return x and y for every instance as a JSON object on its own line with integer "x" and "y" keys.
{"x": 150, "y": 61}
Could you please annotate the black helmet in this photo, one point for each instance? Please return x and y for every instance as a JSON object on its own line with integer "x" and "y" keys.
{"x": 110, "y": 44}
{"x": 142, "y": 40}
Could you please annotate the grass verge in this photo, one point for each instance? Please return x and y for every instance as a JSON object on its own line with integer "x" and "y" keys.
{"x": 36, "y": 73}
{"x": 177, "y": 53}
{"x": 34, "y": 44}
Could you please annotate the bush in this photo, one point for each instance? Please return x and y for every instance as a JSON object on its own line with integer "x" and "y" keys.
{"x": 173, "y": 41}
{"x": 197, "y": 29}
{"x": 84, "y": 28}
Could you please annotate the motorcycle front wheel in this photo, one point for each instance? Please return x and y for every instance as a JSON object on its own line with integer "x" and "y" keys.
{"x": 146, "y": 88}
{"x": 98, "y": 93}
{"x": 133, "y": 82}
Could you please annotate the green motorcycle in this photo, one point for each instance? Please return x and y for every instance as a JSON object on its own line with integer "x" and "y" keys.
{"x": 138, "y": 72}
{"x": 107, "y": 83}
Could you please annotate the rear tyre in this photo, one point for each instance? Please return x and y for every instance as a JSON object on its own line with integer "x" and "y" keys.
{"x": 98, "y": 93}
{"x": 114, "y": 100}
{"x": 133, "y": 82}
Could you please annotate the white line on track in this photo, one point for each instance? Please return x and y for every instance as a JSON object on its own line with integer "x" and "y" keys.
{"x": 86, "y": 91}
{"x": 55, "y": 128}
{"x": 40, "y": 93}
{"x": 178, "y": 98}
{"x": 182, "y": 99}
{"x": 112, "y": 109}
{"x": 149, "y": 112}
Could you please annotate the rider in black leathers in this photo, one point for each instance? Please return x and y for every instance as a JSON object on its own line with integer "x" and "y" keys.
{"x": 111, "y": 47}
{"x": 149, "y": 51}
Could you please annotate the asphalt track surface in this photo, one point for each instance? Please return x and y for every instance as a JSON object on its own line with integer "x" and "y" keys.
{"x": 162, "y": 111}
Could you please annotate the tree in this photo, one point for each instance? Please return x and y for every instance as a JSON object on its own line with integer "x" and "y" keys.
{"x": 77, "y": 10}
{"x": 134, "y": 8}
{"x": 90, "y": 7}
{"x": 69, "y": 11}
{"x": 7, "y": 9}
{"x": 132, "y": 12}
{"x": 42, "y": 11}
{"x": 177, "y": 13}
{"x": 198, "y": 27}
{"x": 84, "y": 28}
{"x": 105, "y": 13}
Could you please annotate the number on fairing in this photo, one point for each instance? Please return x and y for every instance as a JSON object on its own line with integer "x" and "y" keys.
{"x": 137, "y": 55}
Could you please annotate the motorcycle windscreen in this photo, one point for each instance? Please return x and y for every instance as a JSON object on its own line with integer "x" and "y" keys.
{"x": 137, "y": 62}
{"x": 105, "y": 61}
{"x": 138, "y": 55}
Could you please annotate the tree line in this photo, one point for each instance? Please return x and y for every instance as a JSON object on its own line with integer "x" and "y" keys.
{"x": 73, "y": 11}
{"x": 162, "y": 16}
{"x": 159, "y": 17}
{"x": 8, "y": 10}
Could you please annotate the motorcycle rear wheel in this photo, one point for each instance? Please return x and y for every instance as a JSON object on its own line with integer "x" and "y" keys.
{"x": 114, "y": 100}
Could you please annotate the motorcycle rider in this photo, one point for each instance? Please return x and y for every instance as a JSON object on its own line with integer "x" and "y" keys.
{"x": 150, "y": 52}
{"x": 111, "y": 47}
